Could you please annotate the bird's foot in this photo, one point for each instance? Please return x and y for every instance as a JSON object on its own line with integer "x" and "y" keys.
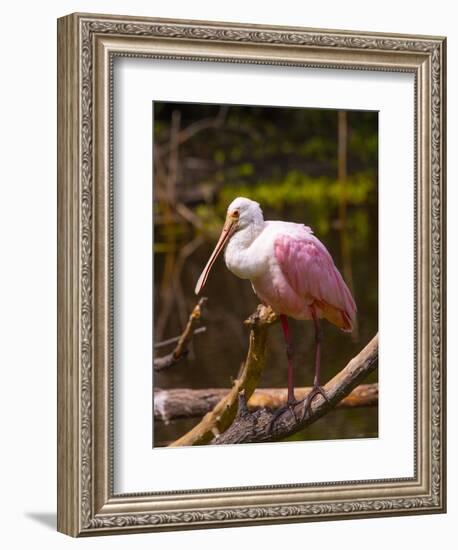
{"x": 291, "y": 403}
{"x": 316, "y": 390}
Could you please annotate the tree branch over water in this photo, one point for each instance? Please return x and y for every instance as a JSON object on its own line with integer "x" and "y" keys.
{"x": 181, "y": 349}
{"x": 257, "y": 427}
{"x": 222, "y": 415}
{"x": 230, "y": 420}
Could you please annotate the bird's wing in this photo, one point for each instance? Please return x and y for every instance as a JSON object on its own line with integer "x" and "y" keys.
{"x": 310, "y": 271}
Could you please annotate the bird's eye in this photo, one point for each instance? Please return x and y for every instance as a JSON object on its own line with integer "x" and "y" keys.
{"x": 235, "y": 213}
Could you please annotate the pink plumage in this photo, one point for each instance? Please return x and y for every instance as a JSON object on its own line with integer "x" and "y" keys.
{"x": 312, "y": 277}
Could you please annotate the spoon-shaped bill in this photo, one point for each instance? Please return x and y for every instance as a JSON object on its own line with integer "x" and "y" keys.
{"x": 227, "y": 231}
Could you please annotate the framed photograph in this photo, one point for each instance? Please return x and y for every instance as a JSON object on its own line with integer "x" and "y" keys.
{"x": 251, "y": 284}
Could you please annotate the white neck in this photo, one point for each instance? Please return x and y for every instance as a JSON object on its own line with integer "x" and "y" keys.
{"x": 238, "y": 256}
{"x": 243, "y": 238}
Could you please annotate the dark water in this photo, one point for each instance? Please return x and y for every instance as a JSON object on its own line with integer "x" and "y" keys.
{"x": 217, "y": 354}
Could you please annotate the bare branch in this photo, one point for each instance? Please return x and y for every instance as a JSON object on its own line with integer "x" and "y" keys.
{"x": 181, "y": 349}
{"x": 188, "y": 403}
{"x": 188, "y": 215}
{"x": 222, "y": 415}
{"x": 257, "y": 427}
{"x": 190, "y": 131}
{"x": 176, "y": 338}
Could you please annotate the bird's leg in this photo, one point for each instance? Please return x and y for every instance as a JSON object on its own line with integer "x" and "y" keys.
{"x": 318, "y": 340}
{"x": 289, "y": 355}
{"x": 291, "y": 400}
{"x": 317, "y": 389}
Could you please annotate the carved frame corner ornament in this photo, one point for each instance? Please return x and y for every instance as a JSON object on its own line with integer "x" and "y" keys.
{"x": 87, "y": 45}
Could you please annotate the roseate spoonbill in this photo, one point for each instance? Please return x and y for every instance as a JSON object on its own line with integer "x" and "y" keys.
{"x": 291, "y": 271}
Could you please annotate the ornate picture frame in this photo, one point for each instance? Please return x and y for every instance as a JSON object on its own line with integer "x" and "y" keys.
{"x": 87, "y": 46}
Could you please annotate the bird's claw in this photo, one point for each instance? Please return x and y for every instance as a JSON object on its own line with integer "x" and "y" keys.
{"x": 281, "y": 410}
{"x": 290, "y": 406}
{"x": 316, "y": 390}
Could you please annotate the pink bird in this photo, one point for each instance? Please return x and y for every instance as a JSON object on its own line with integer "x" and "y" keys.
{"x": 291, "y": 271}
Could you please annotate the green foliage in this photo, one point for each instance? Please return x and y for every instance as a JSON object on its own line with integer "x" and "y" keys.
{"x": 298, "y": 188}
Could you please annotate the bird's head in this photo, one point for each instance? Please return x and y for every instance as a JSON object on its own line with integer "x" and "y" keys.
{"x": 241, "y": 214}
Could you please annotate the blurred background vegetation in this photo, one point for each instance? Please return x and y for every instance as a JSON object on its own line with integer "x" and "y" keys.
{"x": 312, "y": 166}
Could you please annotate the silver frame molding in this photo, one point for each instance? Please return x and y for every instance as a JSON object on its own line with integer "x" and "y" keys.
{"x": 87, "y": 45}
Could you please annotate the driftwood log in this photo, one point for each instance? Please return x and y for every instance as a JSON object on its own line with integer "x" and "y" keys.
{"x": 190, "y": 403}
{"x": 224, "y": 412}
{"x": 257, "y": 427}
